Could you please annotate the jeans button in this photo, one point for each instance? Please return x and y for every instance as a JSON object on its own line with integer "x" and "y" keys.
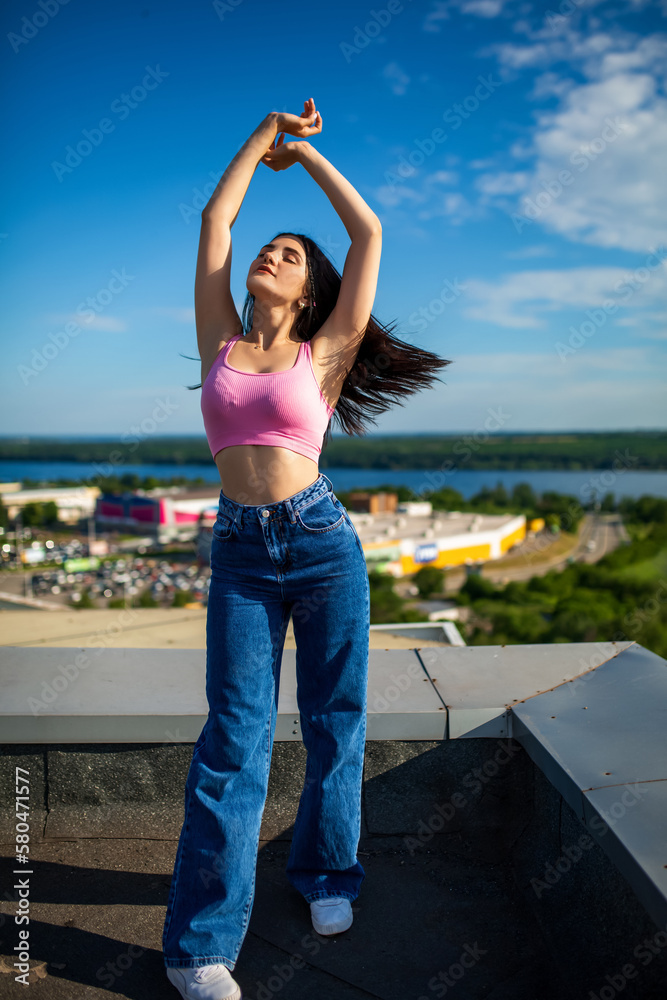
{"x": 265, "y": 513}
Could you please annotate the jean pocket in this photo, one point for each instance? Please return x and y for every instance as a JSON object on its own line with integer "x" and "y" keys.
{"x": 323, "y": 514}
{"x": 222, "y": 528}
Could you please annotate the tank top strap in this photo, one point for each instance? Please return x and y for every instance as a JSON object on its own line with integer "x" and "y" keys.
{"x": 224, "y": 354}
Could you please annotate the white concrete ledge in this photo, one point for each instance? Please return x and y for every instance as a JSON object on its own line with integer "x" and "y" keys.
{"x": 110, "y": 695}
{"x": 591, "y": 716}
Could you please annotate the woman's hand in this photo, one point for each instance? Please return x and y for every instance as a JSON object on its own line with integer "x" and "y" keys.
{"x": 308, "y": 123}
{"x": 282, "y": 155}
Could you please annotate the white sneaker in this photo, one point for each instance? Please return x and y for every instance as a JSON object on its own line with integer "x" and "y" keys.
{"x": 206, "y": 982}
{"x": 331, "y": 915}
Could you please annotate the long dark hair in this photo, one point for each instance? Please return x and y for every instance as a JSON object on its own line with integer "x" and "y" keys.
{"x": 385, "y": 369}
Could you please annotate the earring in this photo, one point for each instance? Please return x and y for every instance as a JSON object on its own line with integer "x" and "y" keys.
{"x": 302, "y": 305}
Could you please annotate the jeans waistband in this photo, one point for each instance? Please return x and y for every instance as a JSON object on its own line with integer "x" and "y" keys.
{"x": 240, "y": 512}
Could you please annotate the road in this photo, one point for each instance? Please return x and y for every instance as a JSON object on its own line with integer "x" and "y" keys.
{"x": 605, "y": 531}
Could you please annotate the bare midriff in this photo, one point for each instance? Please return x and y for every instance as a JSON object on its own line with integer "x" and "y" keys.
{"x": 259, "y": 473}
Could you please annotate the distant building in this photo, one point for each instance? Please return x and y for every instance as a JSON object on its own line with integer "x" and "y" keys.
{"x": 399, "y": 539}
{"x": 402, "y": 543}
{"x": 373, "y": 503}
{"x": 73, "y": 502}
{"x": 167, "y": 515}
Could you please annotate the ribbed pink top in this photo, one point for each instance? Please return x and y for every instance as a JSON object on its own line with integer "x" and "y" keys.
{"x": 284, "y": 408}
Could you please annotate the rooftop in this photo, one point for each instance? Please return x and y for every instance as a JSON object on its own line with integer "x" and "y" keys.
{"x": 513, "y": 816}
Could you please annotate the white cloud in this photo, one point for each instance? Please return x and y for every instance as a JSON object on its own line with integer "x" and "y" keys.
{"x": 429, "y": 194}
{"x": 392, "y": 197}
{"x": 617, "y": 387}
{"x": 607, "y": 135}
{"x": 481, "y": 8}
{"x": 396, "y": 77}
{"x": 452, "y": 205}
{"x": 477, "y": 8}
{"x": 440, "y": 12}
{"x": 611, "y": 138}
{"x": 520, "y": 300}
{"x": 443, "y": 177}
{"x": 550, "y": 85}
{"x": 536, "y": 250}
{"x": 174, "y": 313}
{"x": 540, "y": 364}
{"x": 481, "y": 164}
{"x": 504, "y": 182}
{"x": 100, "y": 321}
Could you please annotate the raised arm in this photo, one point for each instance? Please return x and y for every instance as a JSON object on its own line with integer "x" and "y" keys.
{"x": 216, "y": 316}
{"x": 343, "y": 330}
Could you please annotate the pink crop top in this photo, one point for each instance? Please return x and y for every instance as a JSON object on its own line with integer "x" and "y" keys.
{"x": 283, "y": 408}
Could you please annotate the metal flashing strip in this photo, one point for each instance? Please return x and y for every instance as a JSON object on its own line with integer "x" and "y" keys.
{"x": 602, "y": 743}
{"x": 482, "y": 685}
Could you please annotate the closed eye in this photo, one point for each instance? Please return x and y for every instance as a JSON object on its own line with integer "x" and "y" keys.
{"x": 289, "y": 254}
{"x": 289, "y": 258}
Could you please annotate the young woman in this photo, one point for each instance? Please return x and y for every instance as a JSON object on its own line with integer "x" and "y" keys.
{"x": 283, "y": 545}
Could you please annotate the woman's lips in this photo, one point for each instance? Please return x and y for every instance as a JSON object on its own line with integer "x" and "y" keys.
{"x": 263, "y": 270}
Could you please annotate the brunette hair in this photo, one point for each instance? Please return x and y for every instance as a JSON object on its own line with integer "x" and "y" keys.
{"x": 386, "y": 369}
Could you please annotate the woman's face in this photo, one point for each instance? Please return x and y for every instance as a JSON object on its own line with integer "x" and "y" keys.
{"x": 278, "y": 274}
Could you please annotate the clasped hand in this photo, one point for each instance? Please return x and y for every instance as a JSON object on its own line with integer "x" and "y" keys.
{"x": 281, "y": 154}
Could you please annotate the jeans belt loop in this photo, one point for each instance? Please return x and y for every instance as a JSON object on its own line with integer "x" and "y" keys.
{"x": 290, "y": 509}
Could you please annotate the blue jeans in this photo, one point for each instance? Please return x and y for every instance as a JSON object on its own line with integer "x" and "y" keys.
{"x": 300, "y": 556}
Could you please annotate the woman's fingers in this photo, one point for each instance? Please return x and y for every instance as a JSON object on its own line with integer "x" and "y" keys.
{"x": 308, "y": 123}
{"x": 317, "y": 124}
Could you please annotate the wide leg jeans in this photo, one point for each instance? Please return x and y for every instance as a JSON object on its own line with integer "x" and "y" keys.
{"x": 301, "y": 557}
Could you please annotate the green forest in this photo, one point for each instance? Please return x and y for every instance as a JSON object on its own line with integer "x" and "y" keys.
{"x": 634, "y": 450}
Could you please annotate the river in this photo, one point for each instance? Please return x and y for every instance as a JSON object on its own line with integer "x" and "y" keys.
{"x": 622, "y": 483}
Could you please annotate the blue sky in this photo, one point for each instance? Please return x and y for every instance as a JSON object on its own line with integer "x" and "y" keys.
{"x": 515, "y": 154}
